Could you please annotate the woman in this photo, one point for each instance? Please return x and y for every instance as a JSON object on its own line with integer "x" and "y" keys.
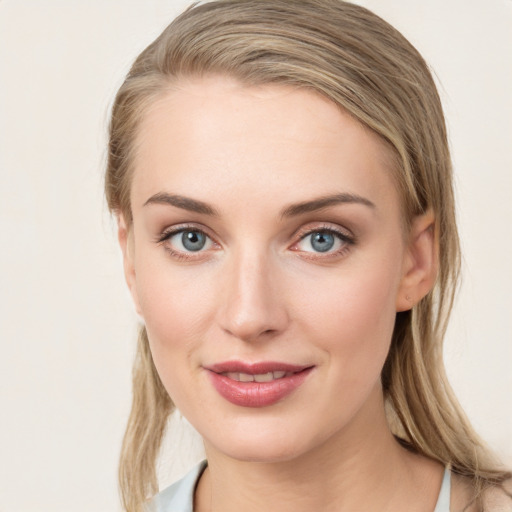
{"x": 282, "y": 182}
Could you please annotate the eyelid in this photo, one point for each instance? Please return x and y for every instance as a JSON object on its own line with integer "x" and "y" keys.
{"x": 343, "y": 234}
{"x": 177, "y": 254}
{"x": 179, "y": 228}
{"x": 310, "y": 228}
{"x": 346, "y": 237}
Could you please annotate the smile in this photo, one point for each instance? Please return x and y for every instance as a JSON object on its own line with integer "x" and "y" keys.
{"x": 260, "y": 377}
{"x": 256, "y": 385}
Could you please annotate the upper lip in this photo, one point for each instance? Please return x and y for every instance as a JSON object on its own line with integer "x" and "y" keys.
{"x": 255, "y": 368}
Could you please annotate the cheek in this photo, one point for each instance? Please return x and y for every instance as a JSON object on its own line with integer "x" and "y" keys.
{"x": 171, "y": 296}
{"x": 176, "y": 309}
{"x": 176, "y": 305}
{"x": 352, "y": 318}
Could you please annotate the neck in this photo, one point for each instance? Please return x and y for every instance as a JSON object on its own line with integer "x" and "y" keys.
{"x": 362, "y": 467}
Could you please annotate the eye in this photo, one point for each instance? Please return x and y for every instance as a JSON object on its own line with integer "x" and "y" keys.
{"x": 190, "y": 240}
{"x": 186, "y": 241}
{"x": 326, "y": 241}
{"x": 322, "y": 241}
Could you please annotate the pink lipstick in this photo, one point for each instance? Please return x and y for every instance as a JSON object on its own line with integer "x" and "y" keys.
{"x": 258, "y": 384}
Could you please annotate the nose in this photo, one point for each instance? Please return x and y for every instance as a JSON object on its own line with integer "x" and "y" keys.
{"x": 253, "y": 307}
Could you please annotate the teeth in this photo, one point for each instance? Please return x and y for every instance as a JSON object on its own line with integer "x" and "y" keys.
{"x": 232, "y": 375}
{"x": 262, "y": 377}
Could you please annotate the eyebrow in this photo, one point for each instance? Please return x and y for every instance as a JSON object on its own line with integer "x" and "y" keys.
{"x": 194, "y": 205}
{"x": 185, "y": 203}
{"x": 324, "y": 202}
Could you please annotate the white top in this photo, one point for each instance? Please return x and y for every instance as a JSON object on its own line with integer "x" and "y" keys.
{"x": 179, "y": 497}
{"x": 443, "y": 500}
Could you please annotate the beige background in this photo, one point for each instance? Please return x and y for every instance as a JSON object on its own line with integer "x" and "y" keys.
{"x": 67, "y": 327}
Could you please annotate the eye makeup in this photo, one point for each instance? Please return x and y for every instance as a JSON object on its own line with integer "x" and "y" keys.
{"x": 194, "y": 241}
{"x": 324, "y": 242}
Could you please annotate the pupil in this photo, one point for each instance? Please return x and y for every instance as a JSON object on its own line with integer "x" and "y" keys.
{"x": 322, "y": 242}
{"x": 193, "y": 240}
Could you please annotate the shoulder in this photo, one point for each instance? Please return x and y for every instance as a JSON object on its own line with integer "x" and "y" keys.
{"x": 498, "y": 498}
{"x": 178, "y": 497}
{"x": 495, "y": 498}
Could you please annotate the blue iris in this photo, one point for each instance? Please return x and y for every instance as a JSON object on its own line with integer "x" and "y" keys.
{"x": 193, "y": 240}
{"x": 322, "y": 242}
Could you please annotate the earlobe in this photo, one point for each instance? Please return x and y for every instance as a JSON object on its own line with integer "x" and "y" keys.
{"x": 125, "y": 237}
{"x": 420, "y": 263}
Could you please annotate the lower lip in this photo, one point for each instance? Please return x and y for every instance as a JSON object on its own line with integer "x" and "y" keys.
{"x": 257, "y": 394}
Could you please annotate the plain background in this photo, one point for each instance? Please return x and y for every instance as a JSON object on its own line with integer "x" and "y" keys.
{"x": 67, "y": 327}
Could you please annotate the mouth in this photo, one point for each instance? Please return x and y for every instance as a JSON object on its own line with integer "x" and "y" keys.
{"x": 256, "y": 384}
{"x": 259, "y": 377}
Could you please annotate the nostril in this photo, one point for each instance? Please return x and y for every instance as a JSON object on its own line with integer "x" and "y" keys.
{"x": 246, "y": 333}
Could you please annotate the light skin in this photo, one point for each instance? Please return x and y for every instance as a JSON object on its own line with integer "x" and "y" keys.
{"x": 305, "y": 261}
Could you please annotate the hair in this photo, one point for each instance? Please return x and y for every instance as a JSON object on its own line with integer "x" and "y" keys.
{"x": 366, "y": 67}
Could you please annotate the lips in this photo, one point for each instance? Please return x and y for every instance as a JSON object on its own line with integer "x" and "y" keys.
{"x": 257, "y": 384}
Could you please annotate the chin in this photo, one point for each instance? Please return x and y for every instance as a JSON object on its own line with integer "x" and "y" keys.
{"x": 261, "y": 452}
{"x": 263, "y": 443}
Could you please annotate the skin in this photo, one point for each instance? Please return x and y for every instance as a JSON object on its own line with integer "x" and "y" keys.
{"x": 259, "y": 291}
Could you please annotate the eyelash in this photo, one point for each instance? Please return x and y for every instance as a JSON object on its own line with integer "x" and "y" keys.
{"x": 179, "y": 255}
{"x": 347, "y": 242}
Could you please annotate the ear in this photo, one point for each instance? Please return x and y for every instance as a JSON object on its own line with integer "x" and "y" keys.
{"x": 420, "y": 264}
{"x": 125, "y": 237}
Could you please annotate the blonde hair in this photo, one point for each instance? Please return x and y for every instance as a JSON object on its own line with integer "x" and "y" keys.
{"x": 361, "y": 63}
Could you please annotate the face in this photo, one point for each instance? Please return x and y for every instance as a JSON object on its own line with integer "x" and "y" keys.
{"x": 267, "y": 259}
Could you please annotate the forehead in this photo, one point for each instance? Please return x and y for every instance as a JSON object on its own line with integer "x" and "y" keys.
{"x": 215, "y": 137}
